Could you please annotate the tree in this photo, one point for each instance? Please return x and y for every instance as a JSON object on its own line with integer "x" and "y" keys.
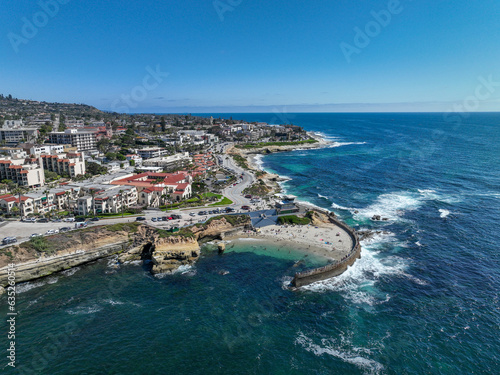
{"x": 132, "y": 162}
{"x": 50, "y": 176}
{"x": 110, "y": 155}
{"x": 92, "y": 193}
{"x": 103, "y": 145}
{"x": 121, "y": 196}
{"x": 120, "y": 157}
{"x": 95, "y": 169}
{"x": 163, "y": 124}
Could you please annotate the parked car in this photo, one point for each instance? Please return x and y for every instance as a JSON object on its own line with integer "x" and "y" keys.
{"x": 69, "y": 219}
{"x": 140, "y": 218}
{"x": 248, "y": 196}
{"x": 245, "y": 207}
{"x": 192, "y": 214}
{"x": 64, "y": 229}
{"x": 8, "y": 240}
{"x": 81, "y": 225}
{"x": 153, "y": 219}
{"x": 164, "y": 218}
{"x": 56, "y": 220}
{"x": 95, "y": 219}
{"x": 36, "y": 235}
{"x": 80, "y": 219}
{"x": 43, "y": 220}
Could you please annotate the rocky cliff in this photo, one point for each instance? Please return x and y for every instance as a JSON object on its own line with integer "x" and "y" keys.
{"x": 46, "y": 255}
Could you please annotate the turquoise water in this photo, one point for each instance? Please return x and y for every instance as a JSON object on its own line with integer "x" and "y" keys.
{"x": 422, "y": 299}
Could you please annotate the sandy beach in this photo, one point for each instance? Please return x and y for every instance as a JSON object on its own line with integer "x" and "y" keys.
{"x": 326, "y": 240}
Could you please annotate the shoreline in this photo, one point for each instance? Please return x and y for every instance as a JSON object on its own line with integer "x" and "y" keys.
{"x": 341, "y": 259}
{"x": 325, "y": 237}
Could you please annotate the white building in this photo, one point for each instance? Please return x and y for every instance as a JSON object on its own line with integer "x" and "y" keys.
{"x": 82, "y": 140}
{"x": 151, "y": 152}
{"x": 177, "y": 161}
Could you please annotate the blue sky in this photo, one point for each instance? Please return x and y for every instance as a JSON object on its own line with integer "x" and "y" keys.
{"x": 253, "y": 55}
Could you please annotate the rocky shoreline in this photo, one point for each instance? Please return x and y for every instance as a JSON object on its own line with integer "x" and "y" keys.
{"x": 167, "y": 251}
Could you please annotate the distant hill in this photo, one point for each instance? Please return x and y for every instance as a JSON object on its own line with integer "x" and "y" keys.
{"x": 14, "y": 106}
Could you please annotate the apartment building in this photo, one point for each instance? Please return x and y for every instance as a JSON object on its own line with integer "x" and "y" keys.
{"x": 151, "y": 152}
{"x": 70, "y": 164}
{"x": 24, "y": 172}
{"x": 13, "y": 133}
{"x": 113, "y": 199}
{"x": 82, "y": 140}
{"x": 177, "y": 161}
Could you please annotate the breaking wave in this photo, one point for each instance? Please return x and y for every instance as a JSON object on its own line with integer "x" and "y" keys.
{"x": 344, "y": 350}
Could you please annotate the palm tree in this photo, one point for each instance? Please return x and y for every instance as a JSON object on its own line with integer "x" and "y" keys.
{"x": 92, "y": 193}
{"x": 67, "y": 193}
{"x": 46, "y": 192}
{"x": 19, "y": 191}
{"x": 121, "y": 196}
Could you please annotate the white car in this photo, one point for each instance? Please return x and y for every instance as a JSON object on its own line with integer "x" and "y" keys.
{"x": 36, "y": 235}
{"x": 192, "y": 214}
{"x": 69, "y": 219}
{"x": 52, "y": 231}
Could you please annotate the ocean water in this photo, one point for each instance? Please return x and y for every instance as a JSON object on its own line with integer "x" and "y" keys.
{"x": 423, "y": 299}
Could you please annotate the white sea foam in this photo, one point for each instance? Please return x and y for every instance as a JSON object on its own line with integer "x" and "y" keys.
{"x": 391, "y": 205}
{"x": 432, "y": 195}
{"x": 343, "y": 350}
{"x": 358, "y": 283}
{"x": 24, "y": 287}
{"x": 71, "y": 271}
{"x": 340, "y": 144}
{"x": 259, "y": 162}
{"x": 339, "y": 207}
{"x": 444, "y": 213}
{"x": 113, "y": 302}
{"x": 322, "y": 196}
{"x": 84, "y": 310}
{"x": 183, "y": 270}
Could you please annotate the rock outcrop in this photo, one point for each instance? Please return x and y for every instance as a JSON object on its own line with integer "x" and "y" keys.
{"x": 131, "y": 241}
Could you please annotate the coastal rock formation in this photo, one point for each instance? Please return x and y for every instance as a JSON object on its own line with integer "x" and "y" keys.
{"x": 131, "y": 241}
{"x": 172, "y": 252}
{"x": 318, "y": 218}
{"x": 60, "y": 252}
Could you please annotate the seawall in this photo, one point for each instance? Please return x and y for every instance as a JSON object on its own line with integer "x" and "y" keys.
{"x": 333, "y": 269}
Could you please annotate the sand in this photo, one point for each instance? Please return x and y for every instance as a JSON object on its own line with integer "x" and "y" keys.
{"x": 327, "y": 240}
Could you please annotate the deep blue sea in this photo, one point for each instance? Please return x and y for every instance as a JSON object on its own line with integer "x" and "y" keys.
{"x": 423, "y": 299}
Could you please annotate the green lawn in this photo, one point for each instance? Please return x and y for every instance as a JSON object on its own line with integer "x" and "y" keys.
{"x": 224, "y": 202}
